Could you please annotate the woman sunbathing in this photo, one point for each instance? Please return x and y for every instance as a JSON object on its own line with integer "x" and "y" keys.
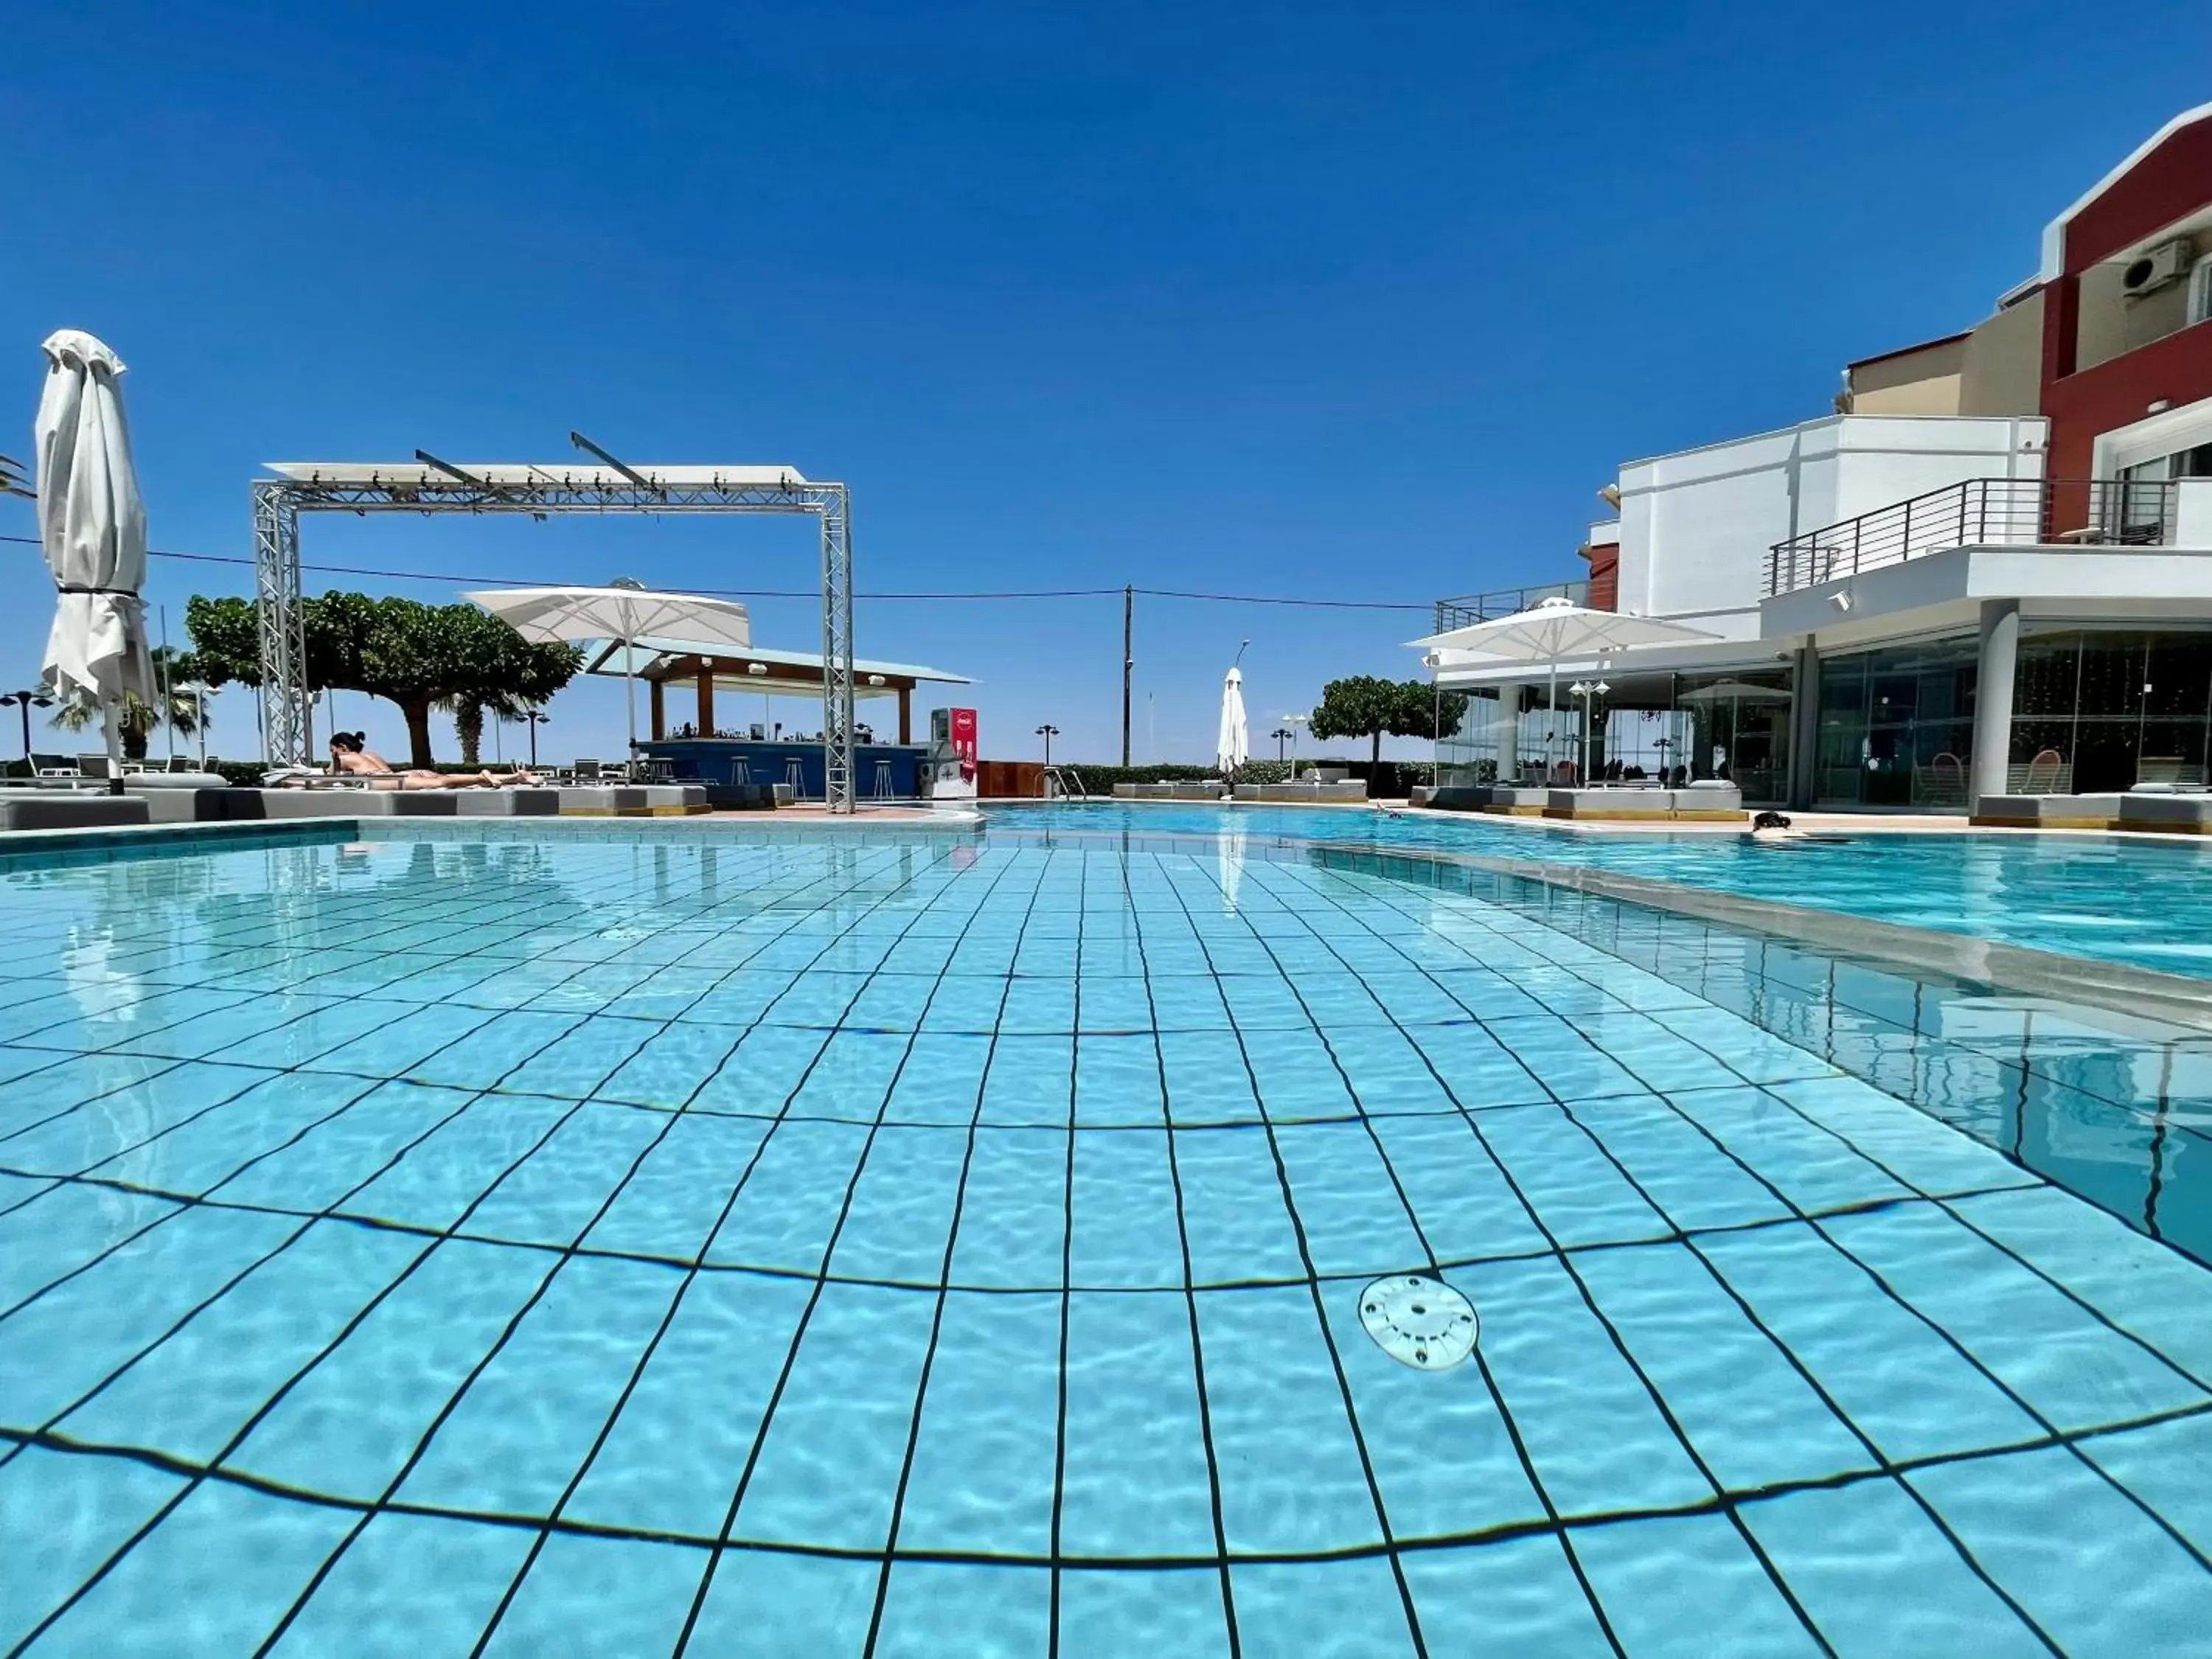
{"x": 350, "y": 756}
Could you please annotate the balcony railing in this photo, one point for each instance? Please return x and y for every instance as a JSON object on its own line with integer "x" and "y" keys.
{"x": 1469, "y": 609}
{"x": 1979, "y": 513}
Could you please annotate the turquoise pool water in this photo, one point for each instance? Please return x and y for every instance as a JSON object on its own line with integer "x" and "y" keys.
{"x": 2145, "y": 902}
{"x": 722, "y": 1243}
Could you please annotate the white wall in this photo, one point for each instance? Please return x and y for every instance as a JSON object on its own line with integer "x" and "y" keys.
{"x": 1696, "y": 527}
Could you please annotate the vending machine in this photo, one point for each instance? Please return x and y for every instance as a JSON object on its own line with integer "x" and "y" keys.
{"x": 952, "y": 754}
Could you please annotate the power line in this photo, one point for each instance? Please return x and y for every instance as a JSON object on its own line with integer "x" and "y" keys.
{"x": 449, "y": 577}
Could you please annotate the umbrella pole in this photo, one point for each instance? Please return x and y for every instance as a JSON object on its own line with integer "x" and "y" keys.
{"x": 629, "y": 699}
{"x": 111, "y": 711}
{"x": 1551, "y": 718}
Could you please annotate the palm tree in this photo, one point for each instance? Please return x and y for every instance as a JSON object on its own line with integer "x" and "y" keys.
{"x": 184, "y": 713}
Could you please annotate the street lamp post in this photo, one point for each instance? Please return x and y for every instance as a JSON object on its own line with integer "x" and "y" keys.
{"x": 1047, "y": 732}
{"x": 1294, "y": 722}
{"x": 534, "y": 718}
{"x": 1282, "y": 735}
{"x": 27, "y": 701}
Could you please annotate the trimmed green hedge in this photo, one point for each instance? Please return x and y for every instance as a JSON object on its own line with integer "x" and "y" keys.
{"x": 1392, "y": 781}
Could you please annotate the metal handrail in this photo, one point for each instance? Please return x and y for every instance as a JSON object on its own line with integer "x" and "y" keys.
{"x": 1979, "y": 513}
{"x": 1467, "y": 609}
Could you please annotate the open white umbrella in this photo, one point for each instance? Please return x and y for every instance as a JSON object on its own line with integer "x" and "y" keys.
{"x": 93, "y": 526}
{"x": 1234, "y": 747}
{"x": 1554, "y": 629}
{"x": 624, "y": 613}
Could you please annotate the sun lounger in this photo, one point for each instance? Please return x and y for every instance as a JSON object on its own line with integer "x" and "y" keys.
{"x": 29, "y": 809}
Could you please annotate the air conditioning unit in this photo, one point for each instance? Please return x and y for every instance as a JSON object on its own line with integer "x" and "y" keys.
{"x": 2166, "y": 264}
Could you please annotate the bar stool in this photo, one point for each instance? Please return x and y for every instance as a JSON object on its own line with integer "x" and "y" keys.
{"x": 882, "y": 789}
{"x": 795, "y": 774}
{"x": 740, "y": 772}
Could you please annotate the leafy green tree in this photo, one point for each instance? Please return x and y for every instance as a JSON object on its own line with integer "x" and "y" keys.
{"x": 1365, "y": 706}
{"x": 417, "y": 657}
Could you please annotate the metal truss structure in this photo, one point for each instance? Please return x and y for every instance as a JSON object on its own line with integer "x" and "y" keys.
{"x": 429, "y": 485}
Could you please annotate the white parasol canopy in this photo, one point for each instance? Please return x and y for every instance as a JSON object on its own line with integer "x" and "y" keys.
{"x": 623, "y": 612}
{"x": 1234, "y": 747}
{"x": 92, "y": 525}
{"x": 1556, "y": 628}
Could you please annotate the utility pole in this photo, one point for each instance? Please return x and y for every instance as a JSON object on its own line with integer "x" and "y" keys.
{"x": 1129, "y": 663}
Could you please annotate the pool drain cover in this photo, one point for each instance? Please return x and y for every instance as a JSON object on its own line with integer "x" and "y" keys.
{"x": 1421, "y": 1322}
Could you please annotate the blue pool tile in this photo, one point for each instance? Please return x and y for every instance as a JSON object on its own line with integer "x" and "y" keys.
{"x": 586, "y": 1597}
{"x": 349, "y": 1425}
{"x": 853, "y": 1076}
{"x": 207, "y": 1149}
{"x": 782, "y": 1605}
{"x": 1337, "y": 1610}
{"x": 408, "y": 1586}
{"x": 64, "y": 1228}
{"x": 1345, "y": 1200}
{"x": 81, "y": 1329}
{"x": 1878, "y": 1577}
{"x": 1207, "y": 1079}
{"x": 671, "y": 1462}
{"x": 115, "y": 1132}
{"x": 1808, "y": 1166}
{"x": 1598, "y": 1441}
{"x": 331, "y": 1025}
{"x": 891, "y": 1002}
{"x": 1476, "y": 1067}
{"x": 574, "y": 1066}
{"x": 1234, "y": 1215}
{"x": 1117, "y": 1080}
{"x": 983, "y": 1472}
{"x": 2088, "y": 1564}
{"x": 1894, "y": 1375}
{"x": 966, "y": 1002}
{"x": 674, "y": 1199}
{"x": 71, "y": 1081}
{"x": 1035, "y": 1007}
{"x": 786, "y": 1213}
{"x": 1031, "y": 1081}
{"x": 1187, "y": 1002}
{"x": 1136, "y": 1481}
{"x": 62, "y": 1514}
{"x": 1299, "y": 1077}
{"x": 899, "y": 1225}
{"x": 1750, "y": 1414}
{"x": 557, "y": 1192}
{"x": 493, "y": 1050}
{"x": 941, "y": 1081}
{"x": 1516, "y": 1597}
{"x": 198, "y": 1385}
{"x": 2163, "y": 1465}
{"x": 2151, "y": 1291}
{"x": 1927, "y": 1155}
{"x": 1291, "y": 1476}
{"x": 1693, "y": 1183}
{"x": 1113, "y": 1004}
{"x": 1576, "y": 1193}
{"x": 743, "y": 998}
{"x": 763, "y": 1072}
{"x": 435, "y": 1182}
{"x": 1692, "y": 1587}
{"x": 1571, "y": 1066}
{"x": 1123, "y": 1201}
{"x": 2064, "y": 1361}
{"x": 990, "y": 1611}
{"x": 829, "y": 1466}
{"x": 214, "y": 1576}
{"x": 406, "y": 1039}
{"x": 1179, "y": 1613}
{"x": 668, "y": 1069}
{"x": 1466, "y": 1207}
{"x": 1443, "y": 1455}
{"x": 1014, "y": 1219}
{"x": 331, "y": 1160}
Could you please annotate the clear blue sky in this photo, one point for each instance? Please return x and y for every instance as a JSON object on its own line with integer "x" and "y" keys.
{"x": 1350, "y": 302}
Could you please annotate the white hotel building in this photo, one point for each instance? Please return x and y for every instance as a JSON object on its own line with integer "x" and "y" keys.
{"x": 1989, "y": 573}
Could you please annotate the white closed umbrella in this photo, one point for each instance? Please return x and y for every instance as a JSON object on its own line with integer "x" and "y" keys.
{"x": 1555, "y": 629}
{"x": 625, "y": 613}
{"x": 92, "y": 524}
{"x": 1234, "y": 747}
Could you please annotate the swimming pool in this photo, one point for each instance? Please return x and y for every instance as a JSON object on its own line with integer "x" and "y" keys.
{"x": 734, "y": 1241}
{"x": 2125, "y": 900}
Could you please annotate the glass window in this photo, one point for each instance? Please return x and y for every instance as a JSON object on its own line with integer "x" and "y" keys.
{"x": 2048, "y": 678}
{"x": 2200, "y": 290}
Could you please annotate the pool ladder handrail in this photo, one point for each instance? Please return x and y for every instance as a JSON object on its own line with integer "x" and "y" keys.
{"x": 1055, "y": 780}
